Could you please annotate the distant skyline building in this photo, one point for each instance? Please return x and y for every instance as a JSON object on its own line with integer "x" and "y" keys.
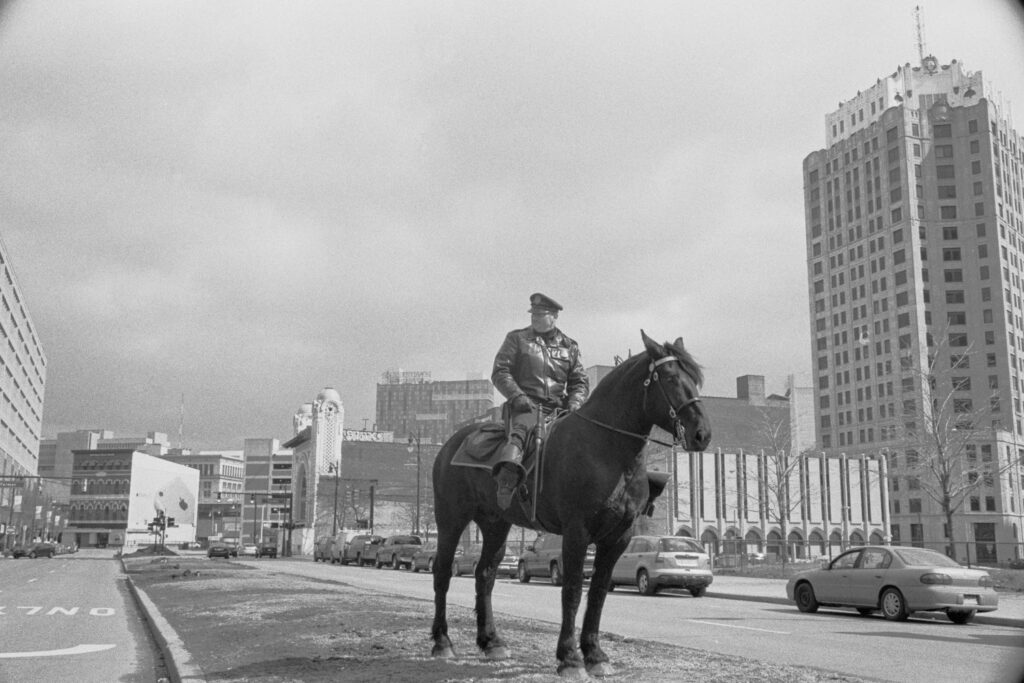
{"x": 412, "y": 404}
{"x": 915, "y": 253}
{"x": 23, "y": 382}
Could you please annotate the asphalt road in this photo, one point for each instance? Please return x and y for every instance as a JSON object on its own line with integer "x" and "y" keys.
{"x": 922, "y": 650}
{"x": 72, "y": 618}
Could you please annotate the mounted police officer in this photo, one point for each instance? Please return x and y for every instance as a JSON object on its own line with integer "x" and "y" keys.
{"x": 536, "y": 367}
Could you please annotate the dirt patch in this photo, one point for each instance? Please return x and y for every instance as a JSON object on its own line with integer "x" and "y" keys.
{"x": 245, "y": 625}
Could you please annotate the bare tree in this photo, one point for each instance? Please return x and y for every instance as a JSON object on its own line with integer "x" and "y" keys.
{"x": 943, "y": 431}
{"x": 780, "y": 493}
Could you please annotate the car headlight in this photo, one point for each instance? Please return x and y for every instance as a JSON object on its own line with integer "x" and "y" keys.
{"x": 985, "y": 580}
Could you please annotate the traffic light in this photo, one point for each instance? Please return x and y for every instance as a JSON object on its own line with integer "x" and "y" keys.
{"x": 252, "y": 498}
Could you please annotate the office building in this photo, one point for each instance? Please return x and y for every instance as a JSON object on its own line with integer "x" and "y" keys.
{"x": 914, "y": 217}
{"x": 411, "y": 404}
{"x": 23, "y": 382}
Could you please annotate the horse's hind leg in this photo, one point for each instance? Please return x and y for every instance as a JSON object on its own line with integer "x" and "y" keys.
{"x": 495, "y": 532}
{"x": 451, "y": 521}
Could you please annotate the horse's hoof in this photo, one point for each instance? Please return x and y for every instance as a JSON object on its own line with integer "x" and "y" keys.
{"x": 601, "y": 669}
{"x": 443, "y": 652}
{"x": 569, "y": 672}
{"x": 500, "y": 652}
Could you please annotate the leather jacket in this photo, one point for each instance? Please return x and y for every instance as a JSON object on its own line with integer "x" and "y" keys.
{"x": 546, "y": 368}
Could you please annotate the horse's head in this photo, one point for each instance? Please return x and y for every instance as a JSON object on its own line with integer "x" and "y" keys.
{"x": 672, "y": 384}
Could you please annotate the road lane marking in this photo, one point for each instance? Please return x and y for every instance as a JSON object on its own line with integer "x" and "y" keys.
{"x": 82, "y": 649}
{"x": 745, "y": 628}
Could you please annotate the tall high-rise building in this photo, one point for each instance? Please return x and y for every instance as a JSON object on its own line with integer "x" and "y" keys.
{"x": 915, "y": 257}
{"x": 23, "y": 381}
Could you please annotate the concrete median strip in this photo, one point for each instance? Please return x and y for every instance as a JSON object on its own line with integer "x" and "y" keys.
{"x": 176, "y": 657}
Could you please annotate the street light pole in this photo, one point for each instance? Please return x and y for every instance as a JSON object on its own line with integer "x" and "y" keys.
{"x": 337, "y": 477}
{"x": 416, "y": 529}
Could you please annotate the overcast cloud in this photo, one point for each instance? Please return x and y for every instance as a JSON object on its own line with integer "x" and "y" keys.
{"x": 245, "y": 202}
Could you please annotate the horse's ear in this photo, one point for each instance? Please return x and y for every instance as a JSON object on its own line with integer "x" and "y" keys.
{"x": 678, "y": 343}
{"x": 654, "y": 348}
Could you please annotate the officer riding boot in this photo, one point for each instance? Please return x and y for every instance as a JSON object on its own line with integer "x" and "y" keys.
{"x": 509, "y": 472}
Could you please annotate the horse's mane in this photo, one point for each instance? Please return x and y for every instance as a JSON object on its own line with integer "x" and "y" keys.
{"x": 691, "y": 368}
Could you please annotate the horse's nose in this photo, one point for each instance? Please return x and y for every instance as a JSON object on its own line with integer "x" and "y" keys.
{"x": 702, "y": 437}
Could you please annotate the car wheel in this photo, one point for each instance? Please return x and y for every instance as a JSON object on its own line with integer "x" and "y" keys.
{"x": 32, "y": 555}
{"x": 395, "y": 563}
{"x": 644, "y": 583}
{"x": 522, "y": 574}
{"x": 556, "y": 574}
{"x": 699, "y": 592}
{"x": 894, "y": 607}
{"x": 961, "y": 616}
{"x": 865, "y": 611}
{"x": 805, "y": 600}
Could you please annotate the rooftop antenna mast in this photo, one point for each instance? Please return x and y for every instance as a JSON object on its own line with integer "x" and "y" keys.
{"x": 919, "y": 21}
{"x": 181, "y": 420}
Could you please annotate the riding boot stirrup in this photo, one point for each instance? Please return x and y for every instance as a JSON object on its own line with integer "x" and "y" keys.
{"x": 508, "y": 473}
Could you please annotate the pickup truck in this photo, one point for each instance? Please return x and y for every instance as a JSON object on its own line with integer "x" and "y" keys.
{"x": 397, "y": 551}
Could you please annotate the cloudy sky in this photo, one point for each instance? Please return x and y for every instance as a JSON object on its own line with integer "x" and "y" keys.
{"x": 243, "y": 203}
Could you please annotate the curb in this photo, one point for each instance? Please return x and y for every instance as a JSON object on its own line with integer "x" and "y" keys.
{"x": 176, "y": 658}
{"x": 987, "y": 618}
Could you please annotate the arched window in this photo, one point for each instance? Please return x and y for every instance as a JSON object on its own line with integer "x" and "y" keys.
{"x": 795, "y": 544}
{"x": 775, "y": 543}
{"x": 856, "y": 538}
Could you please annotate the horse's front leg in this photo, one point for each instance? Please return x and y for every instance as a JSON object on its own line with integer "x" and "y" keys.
{"x": 574, "y": 549}
{"x": 596, "y": 660}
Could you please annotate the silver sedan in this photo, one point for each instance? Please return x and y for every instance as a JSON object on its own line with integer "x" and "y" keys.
{"x": 897, "y": 581}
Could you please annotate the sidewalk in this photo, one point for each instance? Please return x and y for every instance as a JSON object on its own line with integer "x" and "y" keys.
{"x": 1010, "y": 612}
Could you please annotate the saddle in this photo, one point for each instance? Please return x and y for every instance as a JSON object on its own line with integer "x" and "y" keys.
{"x": 480, "y": 448}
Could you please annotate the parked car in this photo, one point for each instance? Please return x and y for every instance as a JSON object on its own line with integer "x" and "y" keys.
{"x": 322, "y": 549}
{"x": 424, "y": 557}
{"x": 466, "y": 561}
{"x": 362, "y": 549}
{"x": 543, "y": 557}
{"x": 339, "y": 542}
{"x": 266, "y": 549}
{"x": 219, "y": 550}
{"x": 34, "y": 550}
{"x": 396, "y": 551}
{"x": 655, "y": 562}
{"x": 896, "y": 581}
{"x": 247, "y": 550}
{"x": 509, "y": 565}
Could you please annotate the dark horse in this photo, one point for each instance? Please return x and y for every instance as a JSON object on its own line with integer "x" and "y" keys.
{"x": 594, "y": 484}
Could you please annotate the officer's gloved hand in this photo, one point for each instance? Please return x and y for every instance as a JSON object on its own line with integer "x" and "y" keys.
{"x": 522, "y": 404}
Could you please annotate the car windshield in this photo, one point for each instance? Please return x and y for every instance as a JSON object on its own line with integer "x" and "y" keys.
{"x": 921, "y": 557}
{"x": 676, "y": 545}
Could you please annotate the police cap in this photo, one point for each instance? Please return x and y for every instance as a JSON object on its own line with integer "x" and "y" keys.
{"x": 538, "y": 300}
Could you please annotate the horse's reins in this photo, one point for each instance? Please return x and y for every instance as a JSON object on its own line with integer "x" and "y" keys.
{"x": 673, "y": 411}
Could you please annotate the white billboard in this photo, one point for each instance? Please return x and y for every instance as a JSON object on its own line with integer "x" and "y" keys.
{"x": 160, "y": 486}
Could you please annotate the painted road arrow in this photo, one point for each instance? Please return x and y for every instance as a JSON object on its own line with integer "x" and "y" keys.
{"x": 83, "y": 649}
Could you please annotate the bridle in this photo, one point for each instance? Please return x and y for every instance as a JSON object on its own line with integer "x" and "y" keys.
{"x": 673, "y": 411}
